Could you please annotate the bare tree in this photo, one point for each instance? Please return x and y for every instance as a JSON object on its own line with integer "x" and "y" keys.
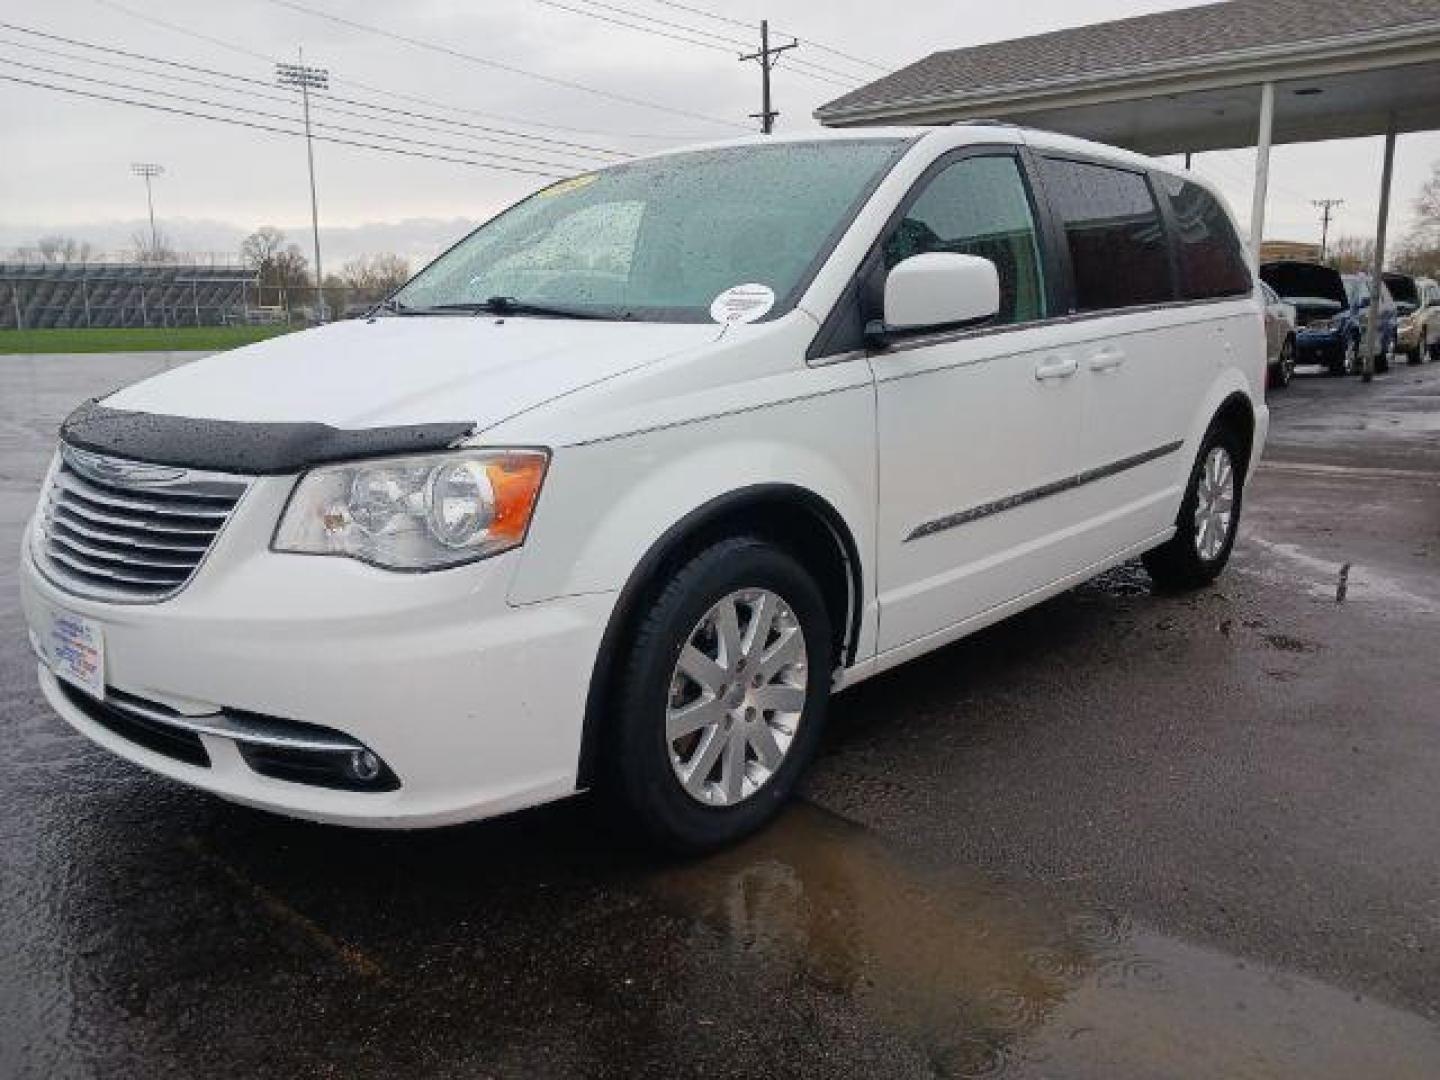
{"x": 1351, "y": 254}
{"x": 1427, "y": 207}
{"x": 376, "y": 275}
{"x": 152, "y": 249}
{"x": 58, "y": 248}
{"x": 1419, "y": 254}
{"x": 277, "y": 264}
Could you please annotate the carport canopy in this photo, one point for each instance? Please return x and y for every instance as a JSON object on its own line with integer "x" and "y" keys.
{"x": 1222, "y": 76}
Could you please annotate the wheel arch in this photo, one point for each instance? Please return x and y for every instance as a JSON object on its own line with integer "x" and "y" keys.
{"x": 795, "y": 517}
{"x": 1237, "y": 414}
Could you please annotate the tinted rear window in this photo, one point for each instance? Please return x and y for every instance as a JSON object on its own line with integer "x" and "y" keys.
{"x": 1118, "y": 254}
{"x": 1212, "y": 262}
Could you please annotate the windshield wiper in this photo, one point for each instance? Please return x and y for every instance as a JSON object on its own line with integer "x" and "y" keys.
{"x": 391, "y": 307}
{"x": 509, "y": 305}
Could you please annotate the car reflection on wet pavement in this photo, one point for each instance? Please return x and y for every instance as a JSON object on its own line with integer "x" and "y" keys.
{"x": 1121, "y": 836}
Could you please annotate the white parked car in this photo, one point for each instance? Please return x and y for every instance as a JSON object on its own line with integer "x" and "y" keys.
{"x": 620, "y": 489}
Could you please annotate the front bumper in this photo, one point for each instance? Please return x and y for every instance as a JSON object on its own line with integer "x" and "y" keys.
{"x": 475, "y": 704}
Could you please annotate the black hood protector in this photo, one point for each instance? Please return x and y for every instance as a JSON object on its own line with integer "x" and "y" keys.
{"x": 236, "y": 446}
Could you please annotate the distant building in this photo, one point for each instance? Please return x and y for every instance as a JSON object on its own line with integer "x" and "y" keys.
{"x": 1289, "y": 250}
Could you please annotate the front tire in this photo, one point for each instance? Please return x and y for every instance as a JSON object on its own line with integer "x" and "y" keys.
{"x": 1350, "y": 362}
{"x": 723, "y": 698}
{"x": 1209, "y": 515}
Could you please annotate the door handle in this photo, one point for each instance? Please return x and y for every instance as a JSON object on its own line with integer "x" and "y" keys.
{"x": 1107, "y": 359}
{"x": 1056, "y": 366}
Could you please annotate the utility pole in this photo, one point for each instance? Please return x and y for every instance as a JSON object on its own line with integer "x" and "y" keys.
{"x": 767, "y": 57}
{"x": 308, "y": 78}
{"x": 148, "y": 170}
{"x": 1325, "y": 206}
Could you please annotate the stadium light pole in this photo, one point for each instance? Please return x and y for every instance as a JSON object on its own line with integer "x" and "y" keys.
{"x": 148, "y": 170}
{"x": 308, "y": 78}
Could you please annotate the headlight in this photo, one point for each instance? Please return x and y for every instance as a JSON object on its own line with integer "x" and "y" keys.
{"x": 415, "y": 513}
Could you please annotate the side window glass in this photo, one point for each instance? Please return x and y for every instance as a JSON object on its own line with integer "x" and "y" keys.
{"x": 1212, "y": 263}
{"x": 1118, "y": 254}
{"x": 978, "y": 206}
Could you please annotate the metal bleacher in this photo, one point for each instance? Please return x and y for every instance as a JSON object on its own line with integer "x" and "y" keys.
{"x": 63, "y": 295}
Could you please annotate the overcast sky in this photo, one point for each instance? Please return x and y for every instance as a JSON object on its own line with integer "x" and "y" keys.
{"x": 68, "y": 159}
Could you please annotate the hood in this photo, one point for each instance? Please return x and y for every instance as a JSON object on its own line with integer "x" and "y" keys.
{"x": 1305, "y": 283}
{"x": 409, "y": 370}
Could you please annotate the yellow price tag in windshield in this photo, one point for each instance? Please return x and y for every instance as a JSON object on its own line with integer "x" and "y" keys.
{"x": 575, "y": 183}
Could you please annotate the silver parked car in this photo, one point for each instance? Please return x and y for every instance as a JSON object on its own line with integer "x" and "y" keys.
{"x": 1280, "y": 323}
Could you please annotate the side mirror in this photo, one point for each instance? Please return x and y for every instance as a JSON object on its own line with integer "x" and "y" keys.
{"x": 938, "y": 290}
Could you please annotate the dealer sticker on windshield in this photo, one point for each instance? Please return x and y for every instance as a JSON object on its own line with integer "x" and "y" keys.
{"x": 743, "y": 303}
{"x": 74, "y": 649}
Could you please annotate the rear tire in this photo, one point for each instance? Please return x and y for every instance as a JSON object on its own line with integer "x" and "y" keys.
{"x": 698, "y": 762}
{"x": 1284, "y": 369}
{"x": 1209, "y": 515}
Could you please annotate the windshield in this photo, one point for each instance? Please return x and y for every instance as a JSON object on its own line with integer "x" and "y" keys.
{"x": 660, "y": 239}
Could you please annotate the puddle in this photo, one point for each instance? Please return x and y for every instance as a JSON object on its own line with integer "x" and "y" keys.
{"x": 993, "y": 981}
{"x": 1363, "y": 583}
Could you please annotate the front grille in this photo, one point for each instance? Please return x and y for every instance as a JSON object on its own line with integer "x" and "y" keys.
{"x": 126, "y": 531}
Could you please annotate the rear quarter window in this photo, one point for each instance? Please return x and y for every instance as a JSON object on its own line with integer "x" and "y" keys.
{"x": 1211, "y": 260}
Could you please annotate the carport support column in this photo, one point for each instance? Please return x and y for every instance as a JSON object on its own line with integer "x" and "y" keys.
{"x": 1372, "y": 327}
{"x": 1262, "y": 169}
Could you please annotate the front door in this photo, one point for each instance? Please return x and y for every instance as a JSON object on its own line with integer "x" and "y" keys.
{"x": 977, "y": 430}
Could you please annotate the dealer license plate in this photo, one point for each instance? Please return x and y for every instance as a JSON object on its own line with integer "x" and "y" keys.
{"x": 74, "y": 648}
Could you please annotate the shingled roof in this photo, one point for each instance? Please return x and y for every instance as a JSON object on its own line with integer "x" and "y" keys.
{"x": 1151, "y": 42}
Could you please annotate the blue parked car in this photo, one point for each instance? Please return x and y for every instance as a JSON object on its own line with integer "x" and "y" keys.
{"x": 1331, "y": 312}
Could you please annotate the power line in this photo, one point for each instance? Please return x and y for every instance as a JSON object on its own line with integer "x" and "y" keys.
{"x": 321, "y": 105}
{"x": 154, "y": 21}
{"x": 274, "y": 130}
{"x": 421, "y": 43}
{"x": 803, "y": 40}
{"x": 385, "y": 91}
{"x": 249, "y": 82}
{"x": 799, "y": 67}
{"x": 209, "y": 104}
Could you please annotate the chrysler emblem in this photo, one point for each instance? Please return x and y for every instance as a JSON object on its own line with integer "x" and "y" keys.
{"x": 109, "y": 470}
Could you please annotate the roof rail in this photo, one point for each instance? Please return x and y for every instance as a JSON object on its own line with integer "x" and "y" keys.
{"x": 981, "y": 121}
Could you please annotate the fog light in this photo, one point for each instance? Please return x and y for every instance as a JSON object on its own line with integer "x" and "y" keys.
{"x": 364, "y": 765}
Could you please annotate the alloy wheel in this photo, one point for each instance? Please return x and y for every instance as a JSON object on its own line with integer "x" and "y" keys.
{"x": 737, "y": 695}
{"x": 1214, "y": 503}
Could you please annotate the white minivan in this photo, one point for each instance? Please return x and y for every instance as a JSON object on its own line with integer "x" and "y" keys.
{"x": 620, "y": 489}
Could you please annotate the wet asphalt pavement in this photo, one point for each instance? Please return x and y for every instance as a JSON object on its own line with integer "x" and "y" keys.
{"x": 1120, "y": 835}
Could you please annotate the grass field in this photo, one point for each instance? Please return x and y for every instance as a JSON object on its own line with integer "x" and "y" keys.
{"x": 134, "y": 339}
